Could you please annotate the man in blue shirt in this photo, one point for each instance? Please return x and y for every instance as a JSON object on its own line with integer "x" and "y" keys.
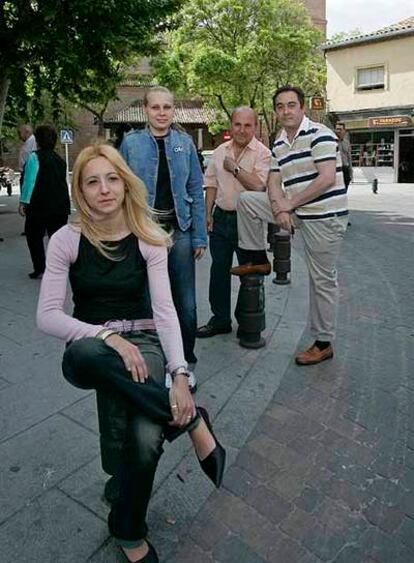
{"x": 165, "y": 158}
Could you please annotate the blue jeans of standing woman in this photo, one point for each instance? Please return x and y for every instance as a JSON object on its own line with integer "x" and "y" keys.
{"x": 181, "y": 269}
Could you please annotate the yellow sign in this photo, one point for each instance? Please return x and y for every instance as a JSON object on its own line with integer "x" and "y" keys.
{"x": 390, "y": 121}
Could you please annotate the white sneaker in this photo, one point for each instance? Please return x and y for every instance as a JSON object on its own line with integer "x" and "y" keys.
{"x": 192, "y": 383}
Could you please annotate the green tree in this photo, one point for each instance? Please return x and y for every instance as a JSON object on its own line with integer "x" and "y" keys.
{"x": 71, "y": 48}
{"x": 344, "y": 35}
{"x": 234, "y": 52}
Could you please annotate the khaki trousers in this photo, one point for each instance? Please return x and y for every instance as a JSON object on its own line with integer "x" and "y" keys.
{"x": 322, "y": 240}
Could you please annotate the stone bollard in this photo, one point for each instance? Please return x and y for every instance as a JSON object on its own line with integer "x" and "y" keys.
{"x": 281, "y": 257}
{"x": 272, "y": 229}
{"x": 250, "y": 312}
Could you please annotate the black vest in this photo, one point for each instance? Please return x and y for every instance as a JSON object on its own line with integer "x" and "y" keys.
{"x": 50, "y": 194}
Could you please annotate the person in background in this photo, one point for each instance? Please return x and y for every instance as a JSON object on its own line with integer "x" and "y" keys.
{"x": 345, "y": 150}
{"x": 25, "y": 133}
{"x": 114, "y": 255}
{"x": 44, "y": 198}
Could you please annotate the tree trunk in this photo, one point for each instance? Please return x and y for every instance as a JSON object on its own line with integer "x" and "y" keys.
{"x": 4, "y": 89}
{"x": 101, "y": 128}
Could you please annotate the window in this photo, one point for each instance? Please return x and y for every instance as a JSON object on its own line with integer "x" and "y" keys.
{"x": 372, "y": 78}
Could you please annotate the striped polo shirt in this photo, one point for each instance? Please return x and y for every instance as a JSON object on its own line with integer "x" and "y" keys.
{"x": 296, "y": 163}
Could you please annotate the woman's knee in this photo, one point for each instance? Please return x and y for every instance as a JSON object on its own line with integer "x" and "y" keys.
{"x": 78, "y": 359}
{"x": 146, "y": 440}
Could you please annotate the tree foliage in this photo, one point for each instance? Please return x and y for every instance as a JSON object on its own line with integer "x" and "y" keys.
{"x": 71, "y": 48}
{"x": 237, "y": 52}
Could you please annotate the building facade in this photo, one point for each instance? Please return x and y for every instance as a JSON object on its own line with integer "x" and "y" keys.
{"x": 370, "y": 87}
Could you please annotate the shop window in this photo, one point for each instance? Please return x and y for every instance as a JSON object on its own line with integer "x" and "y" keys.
{"x": 372, "y": 78}
{"x": 372, "y": 148}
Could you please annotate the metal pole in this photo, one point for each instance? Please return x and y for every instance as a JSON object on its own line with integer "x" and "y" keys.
{"x": 67, "y": 162}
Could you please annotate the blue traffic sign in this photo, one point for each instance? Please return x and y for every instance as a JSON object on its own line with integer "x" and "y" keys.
{"x": 66, "y": 136}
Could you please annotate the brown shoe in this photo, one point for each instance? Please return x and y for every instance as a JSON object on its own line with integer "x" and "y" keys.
{"x": 249, "y": 268}
{"x": 313, "y": 355}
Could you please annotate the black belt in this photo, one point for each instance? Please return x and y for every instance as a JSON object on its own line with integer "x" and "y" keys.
{"x": 225, "y": 211}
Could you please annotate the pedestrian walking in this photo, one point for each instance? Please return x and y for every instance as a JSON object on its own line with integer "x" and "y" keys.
{"x": 344, "y": 146}
{"x": 309, "y": 164}
{"x": 346, "y": 154}
{"x": 165, "y": 158}
{"x": 241, "y": 164}
{"x": 44, "y": 199}
{"x": 113, "y": 255}
{"x": 25, "y": 133}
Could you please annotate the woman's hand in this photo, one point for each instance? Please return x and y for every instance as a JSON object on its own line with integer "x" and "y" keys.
{"x": 133, "y": 360}
{"x": 181, "y": 401}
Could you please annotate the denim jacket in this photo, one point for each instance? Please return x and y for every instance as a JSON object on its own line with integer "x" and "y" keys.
{"x": 140, "y": 150}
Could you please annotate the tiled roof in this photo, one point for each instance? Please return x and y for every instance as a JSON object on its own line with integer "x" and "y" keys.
{"x": 186, "y": 112}
{"x": 404, "y": 27}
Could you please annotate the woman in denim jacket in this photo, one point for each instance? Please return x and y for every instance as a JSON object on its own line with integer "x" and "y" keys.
{"x": 165, "y": 158}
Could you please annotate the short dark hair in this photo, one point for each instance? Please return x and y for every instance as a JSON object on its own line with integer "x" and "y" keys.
{"x": 341, "y": 124}
{"x": 46, "y": 137}
{"x": 298, "y": 91}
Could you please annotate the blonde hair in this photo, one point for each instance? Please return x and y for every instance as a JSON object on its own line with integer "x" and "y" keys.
{"x": 155, "y": 89}
{"x": 139, "y": 216}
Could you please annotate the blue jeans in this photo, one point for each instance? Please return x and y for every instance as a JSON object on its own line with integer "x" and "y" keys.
{"x": 181, "y": 269}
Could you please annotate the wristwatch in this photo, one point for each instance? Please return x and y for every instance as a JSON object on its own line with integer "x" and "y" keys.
{"x": 179, "y": 371}
{"x": 236, "y": 171}
{"x": 105, "y": 333}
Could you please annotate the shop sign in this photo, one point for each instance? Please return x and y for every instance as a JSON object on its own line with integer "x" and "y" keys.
{"x": 317, "y": 102}
{"x": 390, "y": 121}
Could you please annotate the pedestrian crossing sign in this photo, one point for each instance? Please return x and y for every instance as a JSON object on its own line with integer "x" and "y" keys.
{"x": 66, "y": 136}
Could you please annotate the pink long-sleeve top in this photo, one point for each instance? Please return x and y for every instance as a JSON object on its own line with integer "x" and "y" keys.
{"x": 51, "y": 318}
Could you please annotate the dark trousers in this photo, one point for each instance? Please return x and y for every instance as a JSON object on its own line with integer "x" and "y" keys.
{"x": 223, "y": 245}
{"x": 346, "y": 171}
{"x": 89, "y": 363}
{"x": 36, "y": 228}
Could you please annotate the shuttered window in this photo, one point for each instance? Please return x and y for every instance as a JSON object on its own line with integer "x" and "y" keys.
{"x": 371, "y": 78}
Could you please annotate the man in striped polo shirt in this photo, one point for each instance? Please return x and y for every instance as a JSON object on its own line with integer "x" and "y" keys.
{"x": 308, "y": 164}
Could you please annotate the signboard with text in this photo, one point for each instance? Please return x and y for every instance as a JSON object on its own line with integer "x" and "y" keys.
{"x": 390, "y": 121}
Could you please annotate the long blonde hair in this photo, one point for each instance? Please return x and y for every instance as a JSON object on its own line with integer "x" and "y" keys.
{"x": 138, "y": 215}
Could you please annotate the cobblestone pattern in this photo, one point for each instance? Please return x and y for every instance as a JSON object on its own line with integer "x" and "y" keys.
{"x": 328, "y": 473}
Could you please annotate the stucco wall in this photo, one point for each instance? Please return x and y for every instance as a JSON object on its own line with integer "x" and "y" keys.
{"x": 396, "y": 55}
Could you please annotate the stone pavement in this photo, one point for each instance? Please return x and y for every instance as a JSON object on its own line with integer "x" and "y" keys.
{"x": 321, "y": 459}
{"x": 328, "y": 472}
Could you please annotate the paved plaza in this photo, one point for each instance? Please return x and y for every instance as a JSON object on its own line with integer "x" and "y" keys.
{"x": 320, "y": 459}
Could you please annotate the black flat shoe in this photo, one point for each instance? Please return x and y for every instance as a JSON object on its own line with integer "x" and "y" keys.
{"x": 150, "y": 557}
{"x": 213, "y": 465}
{"x": 35, "y": 275}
